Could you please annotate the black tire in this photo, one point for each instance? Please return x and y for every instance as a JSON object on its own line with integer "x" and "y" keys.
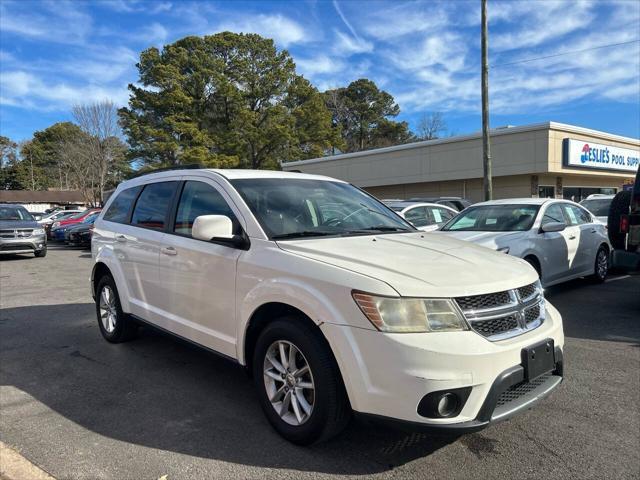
{"x": 125, "y": 327}
{"x": 619, "y": 206}
{"x": 600, "y": 271}
{"x": 41, "y": 253}
{"x": 331, "y": 410}
{"x": 535, "y": 264}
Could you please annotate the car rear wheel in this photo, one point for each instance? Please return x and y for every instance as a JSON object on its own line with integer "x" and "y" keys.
{"x": 115, "y": 325}
{"x": 601, "y": 266}
{"x": 298, "y": 382}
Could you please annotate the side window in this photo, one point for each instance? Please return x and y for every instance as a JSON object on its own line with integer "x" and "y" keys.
{"x": 199, "y": 198}
{"x": 553, "y": 214}
{"x": 441, "y": 215}
{"x": 152, "y": 205}
{"x": 576, "y": 215}
{"x": 417, "y": 216}
{"x": 121, "y": 206}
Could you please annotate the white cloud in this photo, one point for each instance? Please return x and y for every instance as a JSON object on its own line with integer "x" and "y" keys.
{"x": 320, "y": 65}
{"x": 58, "y": 22}
{"x": 282, "y": 29}
{"x": 26, "y": 90}
{"x": 347, "y": 45}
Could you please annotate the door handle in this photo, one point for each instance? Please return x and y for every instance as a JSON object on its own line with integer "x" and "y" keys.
{"x": 121, "y": 238}
{"x": 572, "y": 237}
{"x": 593, "y": 230}
{"x": 169, "y": 251}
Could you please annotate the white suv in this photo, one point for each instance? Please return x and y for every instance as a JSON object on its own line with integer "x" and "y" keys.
{"x": 335, "y": 304}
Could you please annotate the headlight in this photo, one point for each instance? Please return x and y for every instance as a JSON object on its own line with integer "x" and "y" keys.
{"x": 38, "y": 231}
{"x": 410, "y": 315}
{"x": 503, "y": 249}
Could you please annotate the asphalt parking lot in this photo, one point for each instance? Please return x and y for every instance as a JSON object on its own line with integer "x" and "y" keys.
{"x": 81, "y": 408}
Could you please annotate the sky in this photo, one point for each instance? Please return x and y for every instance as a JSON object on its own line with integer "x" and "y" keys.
{"x": 568, "y": 61}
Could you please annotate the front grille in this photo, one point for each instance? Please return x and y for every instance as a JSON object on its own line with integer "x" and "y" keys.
{"x": 496, "y": 326}
{"x": 13, "y": 248}
{"x": 520, "y": 389}
{"x": 16, "y": 233}
{"x": 527, "y": 291}
{"x": 504, "y": 314}
{"x": 481, "y": 302}
{"x": 532, "y": 314}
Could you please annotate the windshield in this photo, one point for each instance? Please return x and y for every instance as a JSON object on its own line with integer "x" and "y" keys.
{"x": 90, "y": 218}
{"x": 494, "y": 218}
{"x": 599, "y": 207}
{"x": 296, "y": 208}
{"x": 14, "y": 213}
{"x": 76, "y": 216}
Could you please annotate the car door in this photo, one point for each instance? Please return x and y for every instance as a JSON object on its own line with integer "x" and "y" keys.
{"x": 588, "y": 241}
{"x": 199, "y": 277}
{"x": 138, "y": 247}
{"x": 555, "y": 250}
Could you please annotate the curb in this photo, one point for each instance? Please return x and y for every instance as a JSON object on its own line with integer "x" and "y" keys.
{"x": 14, "y": 466}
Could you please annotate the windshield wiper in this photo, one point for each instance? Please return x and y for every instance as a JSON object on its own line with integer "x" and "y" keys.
{"x": 380, "y": 228}
{"x": 304, "y": 233}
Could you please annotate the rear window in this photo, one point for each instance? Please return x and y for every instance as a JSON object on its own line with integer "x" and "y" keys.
{"x": 121, "y": 206}
{"x": 153, "y": 204}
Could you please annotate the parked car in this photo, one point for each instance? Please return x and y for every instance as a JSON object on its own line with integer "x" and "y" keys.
{"x": 559, "y": 238}
{"x": 57, "y": 217}
{"x": 424, "y": 216}
{"x": 79, "y": 234}
{"x": 624, "y": 228}
{"x": 19, "y": 232}
{"x": 457, "y": 203}
{"x": 334, "y": 310}
{"x": 59, "y": 227}
{"x": 598, "y": 205}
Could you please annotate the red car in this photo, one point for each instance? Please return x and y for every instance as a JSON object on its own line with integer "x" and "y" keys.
{"x": 77, "y": 218}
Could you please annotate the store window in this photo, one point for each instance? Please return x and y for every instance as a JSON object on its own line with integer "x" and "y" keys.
{"x": 577, "y": 194}
{"x": 546, "y": 191}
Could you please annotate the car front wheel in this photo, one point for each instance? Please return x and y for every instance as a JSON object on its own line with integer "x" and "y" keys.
{"x": 298, "y": 382}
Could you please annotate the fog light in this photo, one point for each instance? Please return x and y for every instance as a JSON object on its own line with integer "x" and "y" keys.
{"x": 447, "y": 404}
{"x": 444, "y": 403}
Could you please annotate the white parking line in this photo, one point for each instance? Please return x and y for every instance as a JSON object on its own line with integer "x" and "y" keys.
{"x": 616, "y": 278}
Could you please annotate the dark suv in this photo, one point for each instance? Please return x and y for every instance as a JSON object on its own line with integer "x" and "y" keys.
{"x": 624, "y": 228}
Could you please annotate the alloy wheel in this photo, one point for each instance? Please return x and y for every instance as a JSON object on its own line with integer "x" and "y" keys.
{"x": 288, "y": 381}
{"x": 602, "y": 264}
{"x": 108, "y": 311}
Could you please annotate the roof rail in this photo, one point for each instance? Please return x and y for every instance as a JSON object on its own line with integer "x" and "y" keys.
{"x": 191, "y": 166}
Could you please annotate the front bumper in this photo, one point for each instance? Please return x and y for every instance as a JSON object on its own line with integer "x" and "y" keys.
{"x": 22, "y": 245}
{"x": 387, "y": 375}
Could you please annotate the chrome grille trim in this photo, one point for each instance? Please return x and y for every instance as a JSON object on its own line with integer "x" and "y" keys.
{"x": 16, "y": 233}
{"x": 517, "y": 311}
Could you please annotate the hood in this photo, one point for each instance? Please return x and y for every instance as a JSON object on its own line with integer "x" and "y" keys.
{"x": 9, "y": 224}
{"x": 419, "y": 264}
{"x": 492, "y": 240}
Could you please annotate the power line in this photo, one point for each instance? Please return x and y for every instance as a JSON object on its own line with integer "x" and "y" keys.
{"x": 566, "y": 53}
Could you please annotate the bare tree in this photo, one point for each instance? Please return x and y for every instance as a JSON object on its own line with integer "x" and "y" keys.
{"x": 431, "y": 125}
{"x": 103, "y": 148}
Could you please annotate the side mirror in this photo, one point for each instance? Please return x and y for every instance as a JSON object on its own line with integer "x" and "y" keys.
{"x": 208, "y": 227}
{"x": 218, "y": 229}
{"x": 553, "y": 227}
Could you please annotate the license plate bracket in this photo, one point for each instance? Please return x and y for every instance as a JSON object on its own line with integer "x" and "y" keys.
{"x": 538, "y": 359}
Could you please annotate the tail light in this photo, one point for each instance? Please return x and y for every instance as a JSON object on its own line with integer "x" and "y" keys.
{"x": 624, "y": 224}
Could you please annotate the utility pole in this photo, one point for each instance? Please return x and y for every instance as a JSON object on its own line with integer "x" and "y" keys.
{"x": 486, "y": 146}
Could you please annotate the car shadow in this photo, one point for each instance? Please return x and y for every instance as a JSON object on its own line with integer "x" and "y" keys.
{"x": 166, "y": 394}
{"x": 614, "y": 317}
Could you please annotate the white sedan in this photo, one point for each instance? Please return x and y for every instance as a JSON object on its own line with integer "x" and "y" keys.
{"x": 424, "y": 216}
{"x": 559, "y": 238}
